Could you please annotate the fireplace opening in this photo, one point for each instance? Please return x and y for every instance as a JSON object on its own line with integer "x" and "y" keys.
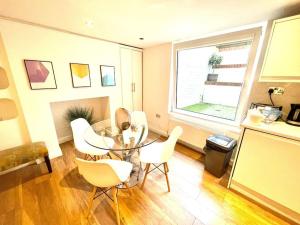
{"x": 101, "y": 111}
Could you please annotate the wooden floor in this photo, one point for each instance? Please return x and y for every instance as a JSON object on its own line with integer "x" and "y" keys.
{"x": 32, "y": 196}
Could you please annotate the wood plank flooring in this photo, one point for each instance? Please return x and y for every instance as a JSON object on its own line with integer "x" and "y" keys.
{"x": 32, "y": 196}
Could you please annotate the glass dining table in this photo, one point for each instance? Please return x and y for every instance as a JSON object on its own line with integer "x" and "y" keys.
{"x": 124, "y": 145}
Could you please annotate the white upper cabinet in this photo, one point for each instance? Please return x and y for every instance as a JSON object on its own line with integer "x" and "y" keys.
{"x": 282, "y": 58}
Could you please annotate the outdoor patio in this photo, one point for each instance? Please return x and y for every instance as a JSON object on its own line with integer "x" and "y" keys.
{"x": 217, "y": 110}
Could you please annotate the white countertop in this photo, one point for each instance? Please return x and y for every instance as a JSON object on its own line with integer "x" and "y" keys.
{"x": 277, "y": 128}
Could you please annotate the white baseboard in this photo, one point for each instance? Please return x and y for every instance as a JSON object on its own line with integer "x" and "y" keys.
{"x": 165, "y": 134}
{"x": 158, "y": 131}
{"x": 196, "y": 148}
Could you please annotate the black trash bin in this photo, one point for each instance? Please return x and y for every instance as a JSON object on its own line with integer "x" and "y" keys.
{"x": 218, "y": 151}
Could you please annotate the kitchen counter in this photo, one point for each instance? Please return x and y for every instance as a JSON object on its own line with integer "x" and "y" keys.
{"x": 279, "y": 128}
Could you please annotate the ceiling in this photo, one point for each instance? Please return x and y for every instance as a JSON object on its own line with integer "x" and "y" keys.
{"x": 157, "y": 21}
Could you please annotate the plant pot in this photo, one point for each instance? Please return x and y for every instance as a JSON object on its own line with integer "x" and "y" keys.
{"x": 212, "y": 77}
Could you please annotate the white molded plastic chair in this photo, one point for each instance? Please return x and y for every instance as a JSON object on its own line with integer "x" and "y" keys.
{"x": 160, "y": 153}
{"x": 101, "y": 125}
{"x": 138, "y": 118}
{"x": 80, "y": 127}
{"x": 122, "y": 119}
{"x": 105, "y": 173}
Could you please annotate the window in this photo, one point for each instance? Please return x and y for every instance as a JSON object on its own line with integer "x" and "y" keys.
{"x": 210, "y": 75}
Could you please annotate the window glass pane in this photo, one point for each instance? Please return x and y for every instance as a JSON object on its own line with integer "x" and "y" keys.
{"x": 210, "y": 79}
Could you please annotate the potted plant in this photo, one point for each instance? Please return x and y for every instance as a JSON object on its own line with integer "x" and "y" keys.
{"x": 80, "y": 112}
{"x": 213, "y": 61}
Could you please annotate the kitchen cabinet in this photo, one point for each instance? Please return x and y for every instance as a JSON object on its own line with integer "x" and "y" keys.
{"x": 132, "y": 79}
{"x": 267, "y": 169}
{"x": 281, "y": 62}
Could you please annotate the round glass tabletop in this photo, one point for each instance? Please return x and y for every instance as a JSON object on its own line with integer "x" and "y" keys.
{"x": 110, "y": 138}
{"x": 125, "y": 145}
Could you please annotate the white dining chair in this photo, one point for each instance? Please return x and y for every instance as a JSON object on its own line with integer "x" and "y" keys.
{"x": 159, "y": 154}
{"x": 105, "y": 175}
{"x": 138, "y": 118}
{"x": 122, "y": 119}
{"x": 80, "y": 129}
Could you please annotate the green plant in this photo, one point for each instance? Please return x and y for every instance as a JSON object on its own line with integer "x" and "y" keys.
{"x": 214, "y": 60}
{"x": 80, "y": 112}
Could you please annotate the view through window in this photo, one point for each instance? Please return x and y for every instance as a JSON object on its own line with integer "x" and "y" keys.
{"x": 210, "y": 78}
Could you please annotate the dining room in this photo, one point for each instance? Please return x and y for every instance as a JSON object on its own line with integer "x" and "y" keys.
{"x": 149, "y": 112}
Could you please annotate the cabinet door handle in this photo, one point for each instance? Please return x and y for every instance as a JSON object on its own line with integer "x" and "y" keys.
{"x": 133, "y": 87}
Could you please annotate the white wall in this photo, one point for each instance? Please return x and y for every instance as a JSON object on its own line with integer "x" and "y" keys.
{"x": 30, "y": 42}
{"x": 157, "y": 64}
{"x": 192, "y": 73}
{"x": 223, "y": 95}
{"x": 156, "y": 79}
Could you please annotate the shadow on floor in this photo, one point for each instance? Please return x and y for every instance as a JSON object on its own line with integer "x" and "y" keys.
{"x": 74, "y": 180}
{"x": 23, "y": 175}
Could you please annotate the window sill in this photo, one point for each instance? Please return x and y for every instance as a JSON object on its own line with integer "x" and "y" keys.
{"x": 211, "y": 124}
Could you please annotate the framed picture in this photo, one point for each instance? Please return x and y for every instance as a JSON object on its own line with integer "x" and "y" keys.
{"x": 40, "y": 74}
{"x": 107, "y": 75}
{"x": 80, "y": 75}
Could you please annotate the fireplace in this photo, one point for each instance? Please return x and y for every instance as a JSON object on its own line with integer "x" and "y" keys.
{"x": 100, "y": 106}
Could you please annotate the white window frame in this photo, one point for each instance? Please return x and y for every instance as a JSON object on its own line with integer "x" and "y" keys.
{"x": 256, "y": 33}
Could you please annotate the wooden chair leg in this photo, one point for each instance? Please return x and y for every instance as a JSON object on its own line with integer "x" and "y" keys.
{"x": 166, "y": 174}
{"x": 90, "y": 204}
{"x": 146, "y": 173}
{"x": 140, "y": 168}
{"x": 167, "y": 166}
{"x": 114, "y": 192}
{"x": 128, "y": 188}
{"x": 109, "y": 155}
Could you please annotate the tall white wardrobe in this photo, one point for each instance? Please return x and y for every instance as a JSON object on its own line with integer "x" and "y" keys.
{"x": 132, "y": 78}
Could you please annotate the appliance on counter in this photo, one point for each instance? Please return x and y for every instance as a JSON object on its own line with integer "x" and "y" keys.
{"x": 270, "y": 112}
{"x": 294, "y": 115}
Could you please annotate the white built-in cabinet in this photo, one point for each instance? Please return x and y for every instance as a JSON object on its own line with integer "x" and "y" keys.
{"x": 267, "y": 169}
{"x": 132, "y": 78}
{"x": 281, "y": 62}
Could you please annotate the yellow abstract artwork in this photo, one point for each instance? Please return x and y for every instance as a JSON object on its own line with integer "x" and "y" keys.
{"x": 80, "y": 70}
{"x": 80, "y": 75}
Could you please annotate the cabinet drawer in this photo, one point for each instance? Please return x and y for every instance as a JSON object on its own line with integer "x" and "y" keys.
{"x": 270, "y": 166}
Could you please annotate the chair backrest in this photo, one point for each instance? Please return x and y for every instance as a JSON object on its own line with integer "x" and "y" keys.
{"x": 169, "y": 144}
{"x": 98, "y": 173}
{"x": 139, "y": 118}
{"x": 79, "y": 127}
{"x": 101, "y": 125}
{"x": 122, "y": 119}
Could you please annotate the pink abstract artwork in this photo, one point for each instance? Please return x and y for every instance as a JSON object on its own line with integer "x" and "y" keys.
{"x": 40, "y": 74}
{"x": 37, "y": 72}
